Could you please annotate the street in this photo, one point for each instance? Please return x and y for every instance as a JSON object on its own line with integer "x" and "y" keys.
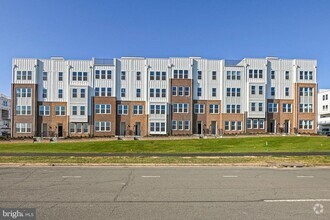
{"x": 167, "y": 192}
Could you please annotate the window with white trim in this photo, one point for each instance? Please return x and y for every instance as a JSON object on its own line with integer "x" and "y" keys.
{"x": 23, "y": 127}
{"x": 214, "y": 109}
{"x": 102, "y": 126}
{"x": 272, "y": 107}
{"x": 59, "y": 110}
{"x": 102, "y": 109}
{"x": 44, "y": 110}
{"x": 180, "y": 108}
{"x": 138, "y": 109}
{"x": 199, "y": 108}
{"x": 122, "y": 109}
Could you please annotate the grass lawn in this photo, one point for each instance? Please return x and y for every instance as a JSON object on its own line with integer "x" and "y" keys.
{"x": 246, "y": 144}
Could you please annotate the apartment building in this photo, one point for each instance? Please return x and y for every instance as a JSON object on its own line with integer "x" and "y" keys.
{"x": 5, "y": 112}
{"x": 136, "y": 96}
{"x": 324, "y": 110}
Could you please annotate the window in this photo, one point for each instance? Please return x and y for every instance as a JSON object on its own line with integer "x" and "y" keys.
{"x": 310, "y": 75}
{"x": 238, "y": 90}
{"x": 123, "y": 75}
{"x": 253, "y": 90}
{"x": 85, "y": 76}
{"x": 103, "y": 74}
{"x": 174, "y": 125}
{"x": 287, "y": 75}
{"x": 186, "y": 125}
{"x": 97, "y": 91}
{"x": 23, "y": 127}
{"x": 228, "y": 109}
{"x": 109, "y": 92}
{"x": 164, "y": 93}
{"x": 301, "y": 75}
{"x": 261, "y": 106}
{"x": 122, "y": 109}
{"x": 138, "y": 109}
{"x": 122, "y": 92}
{"x": 18, "y": 75}
{"x": 238, "y": 109}
{"x": 199, "y": 92}
{"x": 138, "y": 93}
{"x": 44, "y": 110}
{"x": 180, "y": 108}
{"x": 272, "y": 91}
{"x": 306, "y": 124}
{"x": 180, "y": 127}
{"x": 28, "y": 92}
{"x": 157, "y": 109}
{"x": 44, "y": 76}
{"x": 185, "y": 74}
{"x": 255, "y": 75}
{"x": 199, "y": 109}
{"x": 74, "y": 76}
{"x": 23, "y": 110}
{"x": 97, "y": 74}
{"x": 255, "y": 123}
{"x": 250, "y": 74}
{"x": 102, "y": 126}
{"x": 72, "y": 128}
{"x": 233, "y": 109}
{"x": 157, "y": 126}
{"x": 152, "y": 75}
{"x": 239, "y": 125}
{"x": 306, "y": 75}
{"x": 163, "y": 75}
{"x": 272, "y": 107}
{"x": 74, "y": 93}
{"x": 214, "y": 109}
{"x": 260, "y": 74}
{"x": 138, "y": 75}
{"x": 261, "y": 123}
{"x": 233, "y": 125}
{"x": 199, "y": 74}
{"x": 59, "y": 110}
{"x": 44, "y": 93}
{"x": 109, "y": 73}
{"x": 227, "y": 125}
{"x": 74, "y": 110}
{"x": 214, "y": 75}
{"x": 174, "y": 90}
{"x": 249, "y": 124}
{"x": 157, "y": 92}
{"x": 186, "y": 91}
{"x": 152, "y": 92}
{"x": 272, "y": 74}
{"x": 287, "y": 91}
{"x": 233, "y": 92}
{"x": 305, "y": 91}
{"x": 103, "y": 109}
{"x": 228, "y": 92}
{"x": 157, "y": 75}
{"x": 253, "y": 106}
{"x": 82, "y": 110}
{"x": 233, "y": 76}
{"x": 82, "y": 93}
{"x": 85, "y": 127}
{"x": 60, "y": 93}
{"x": 214, "y": 92}
{"x": 79, "y": 76}
{"x": 261, "y": 90}
{"x": 180, "y": 91}
{"x": 238, "y": 75}
{"x": 60, "y": 76}
{"x": 228, "y": 75}
{"x": 287, "y": 107}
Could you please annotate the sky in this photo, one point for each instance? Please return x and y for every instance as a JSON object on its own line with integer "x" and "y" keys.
{"x": 219, "y": 29}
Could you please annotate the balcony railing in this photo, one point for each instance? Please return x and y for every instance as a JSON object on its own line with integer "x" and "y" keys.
{"x": 324, "y": 121}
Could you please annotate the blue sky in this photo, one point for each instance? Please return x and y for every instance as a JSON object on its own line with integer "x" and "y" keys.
{"x": 218, "y": 29}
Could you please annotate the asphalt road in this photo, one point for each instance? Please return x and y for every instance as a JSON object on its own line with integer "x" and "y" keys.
{"x": 167, "y": 192}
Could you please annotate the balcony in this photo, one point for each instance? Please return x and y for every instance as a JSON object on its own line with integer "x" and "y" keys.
{"x": 324, "y": 121}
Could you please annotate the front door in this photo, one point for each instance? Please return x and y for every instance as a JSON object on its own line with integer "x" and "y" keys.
{"x": 122, "y": 128}
{"x": 137, "y": 129}
{"x": 60, "y": 130}
{"x": 199, "y": 127}
{"x": 287, "y": 126}
{"x": 272, "y": 126}
{"x": 214, "y": 127}
{"x": 44, "y": 130}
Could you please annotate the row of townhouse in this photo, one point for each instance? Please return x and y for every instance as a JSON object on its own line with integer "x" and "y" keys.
{"x": 324, "y": 110}
{"x": 163, "y": 96}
